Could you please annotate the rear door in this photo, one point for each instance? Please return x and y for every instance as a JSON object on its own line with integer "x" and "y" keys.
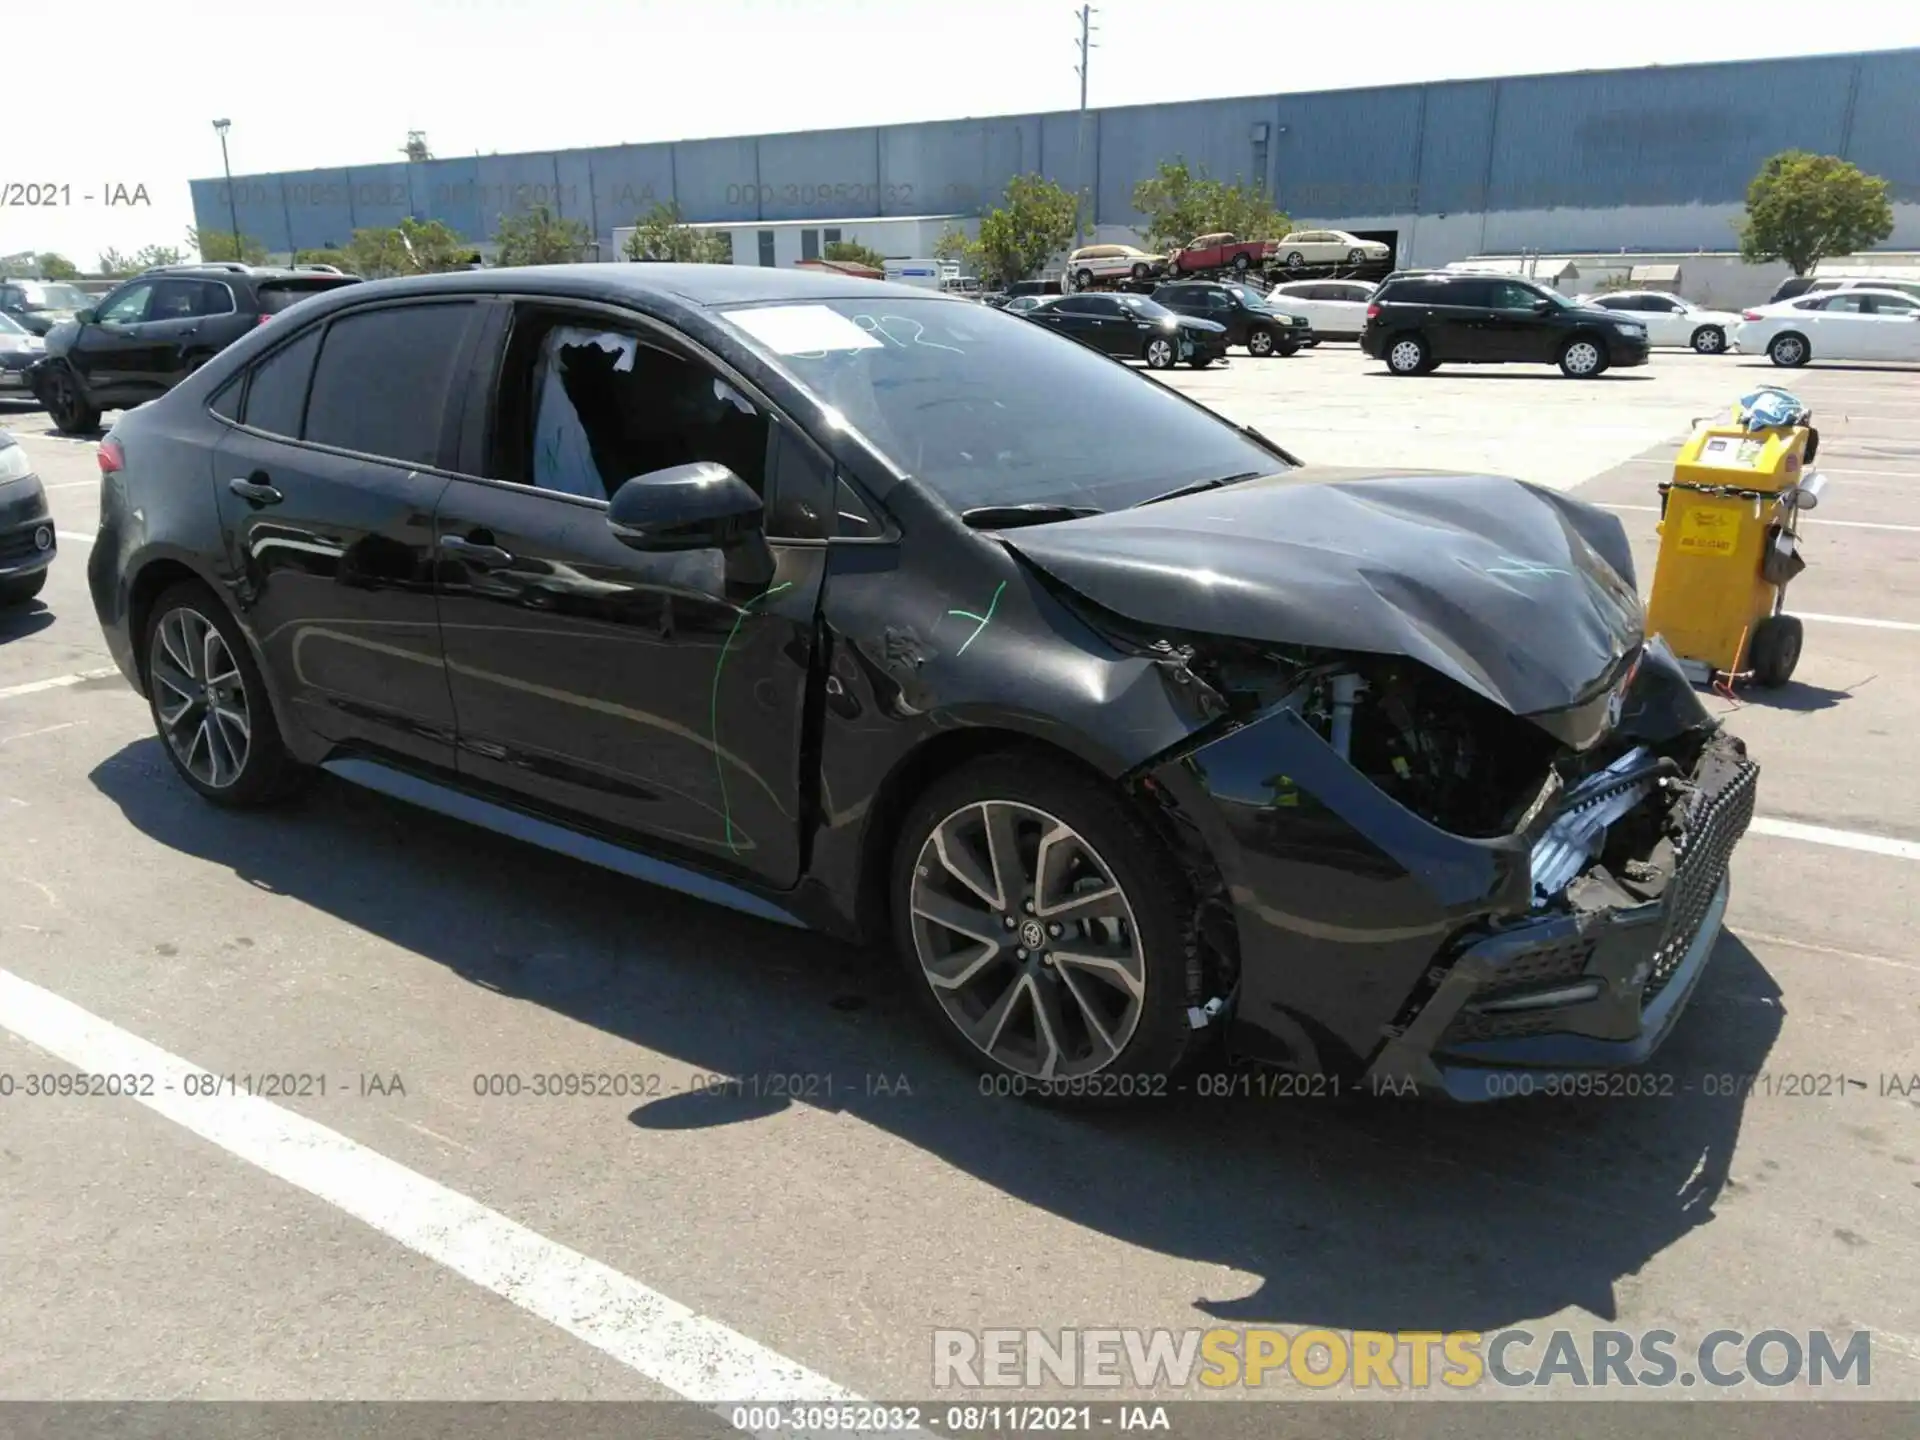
{"x": 1845, "y": 328}
{"x": 187, "y": 322}
{"x": 650, "y": 693}
{"x": 1459, "y": 318}
{"x": 326, "y": 487}
{"x": 1896, "y": 328}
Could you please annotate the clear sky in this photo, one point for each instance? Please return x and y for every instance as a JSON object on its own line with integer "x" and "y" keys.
{"x": 128, "y": 97}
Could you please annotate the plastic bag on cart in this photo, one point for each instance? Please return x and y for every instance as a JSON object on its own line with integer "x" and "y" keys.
{"x": 1770, "y": 406}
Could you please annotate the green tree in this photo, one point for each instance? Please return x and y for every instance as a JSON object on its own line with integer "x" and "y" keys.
{"x": 218, "y": 245}
{"x": 339, "y": 259}
{"x": 152, "y": 257}
{"x": 56, "y": 267}
{"x": 661, "y": 234}
{"x": 1802, "y": 208}
{"x": 413, "y": 247}
{"x": 1019, "y": 237}
{"x": 852, "y": 252}
{"x": 1180, "y": 203}
{"x": 537, "y": 236}
{"x": 112, "y": 264}
{"x": 956, "y": 245}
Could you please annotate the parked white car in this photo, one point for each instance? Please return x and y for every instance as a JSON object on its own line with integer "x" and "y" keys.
{"x": 1671, "y": 320}
{"x": 1328, "y": 247}
{"x": 1833, "y": 325}
{"x": 1337, "y": 309}
{"x": 1112, "y": 262}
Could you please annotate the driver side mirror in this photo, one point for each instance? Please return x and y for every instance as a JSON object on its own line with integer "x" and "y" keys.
{"x": 702, "y": 506}
{"x": 1542, "y": 305}
{"x": 85, "y": 317}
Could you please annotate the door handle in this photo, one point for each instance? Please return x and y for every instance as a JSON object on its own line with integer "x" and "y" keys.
{"x": 475, "y": 552}
{"x": 255, "y": 493}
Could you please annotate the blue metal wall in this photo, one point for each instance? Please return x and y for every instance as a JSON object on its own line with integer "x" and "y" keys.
{"x": 1596, "y": 140}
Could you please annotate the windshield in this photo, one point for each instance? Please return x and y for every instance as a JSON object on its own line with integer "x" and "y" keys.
{"x": 990, "y": 409}
{"x": 1248, "y": 295}
{"x": 62, "y": 297}
{"x": 1141, "y": 305}
{"x": 10, "y": 326}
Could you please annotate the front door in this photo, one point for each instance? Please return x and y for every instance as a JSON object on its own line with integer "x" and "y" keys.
{"x": 326, "y": 491}
{"x": 1514, "y": 327}
{"x": 111, "y": 352}
{"x": 655, "y": 694}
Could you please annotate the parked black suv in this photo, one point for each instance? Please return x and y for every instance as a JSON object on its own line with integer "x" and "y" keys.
{"x": 1249, "y": 319}
{"x": 1418, "y": 321}
{"x": 148, "y": 335}
{"x": 860, "y": 607}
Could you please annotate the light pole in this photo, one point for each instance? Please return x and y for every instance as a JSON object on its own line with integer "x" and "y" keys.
{"x": 1087, "y": 27}
{"x": 233, "y": 211}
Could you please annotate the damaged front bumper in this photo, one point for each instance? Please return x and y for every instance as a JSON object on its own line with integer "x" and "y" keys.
{"x": 1371, "y": 944}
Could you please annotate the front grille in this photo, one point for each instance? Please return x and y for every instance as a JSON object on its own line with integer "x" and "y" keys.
{"x": 1564, "y": 960}
{"x": 1714, "y": 828}
{"x": 18, "y": 545}
{"x": 1472, "y": 1025}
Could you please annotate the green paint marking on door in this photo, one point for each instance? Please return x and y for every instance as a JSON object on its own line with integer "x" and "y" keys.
{"x": 992, "y": 605}
{"x": 713, "y": 718}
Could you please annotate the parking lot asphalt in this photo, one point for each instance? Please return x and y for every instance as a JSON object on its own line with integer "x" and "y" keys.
{"x": 403, "y": 959}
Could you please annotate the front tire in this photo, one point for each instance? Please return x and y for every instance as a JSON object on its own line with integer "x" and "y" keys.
{"x": 1033, "y": 911}
{"x": 1142, "y": 273}
{"x": 1356, "y": 257}
{"x": 1709, "y": 340}
{"x": 1582, "y": 358}
{"x": 1789, "y": 351}
{"x": 68, "y": 406}
{"x": 1409, "y": 355}
{"x": 210, "y": 705}
{"x": 1159, "y": 353}
{"x": 1260, "y": 341}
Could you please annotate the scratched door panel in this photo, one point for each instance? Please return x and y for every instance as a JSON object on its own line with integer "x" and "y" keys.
{"x": 653, "y": 696}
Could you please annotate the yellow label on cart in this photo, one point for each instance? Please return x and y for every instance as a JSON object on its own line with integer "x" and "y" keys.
{"x": 1706, "y": 531}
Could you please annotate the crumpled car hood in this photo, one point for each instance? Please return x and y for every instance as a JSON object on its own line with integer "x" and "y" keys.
{"x": 1522, "y": 594}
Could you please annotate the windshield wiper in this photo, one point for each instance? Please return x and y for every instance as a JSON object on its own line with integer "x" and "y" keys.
{"x": 1196, "y": 488}
{"x": 1005, "y": 517}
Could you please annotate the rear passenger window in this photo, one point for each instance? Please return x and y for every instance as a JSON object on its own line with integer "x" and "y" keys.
{"x": 277, "y": 394}
{"x": 383, "y": 380}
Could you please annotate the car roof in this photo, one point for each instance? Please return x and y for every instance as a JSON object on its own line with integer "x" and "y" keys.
{"x": 1887, "y": 292}
{"x": 624, "y": 280}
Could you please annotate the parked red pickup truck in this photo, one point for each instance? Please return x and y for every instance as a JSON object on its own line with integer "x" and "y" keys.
{"x": 1221, "y": 252}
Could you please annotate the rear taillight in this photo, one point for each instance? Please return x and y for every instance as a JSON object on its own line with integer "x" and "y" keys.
{"x": 110, "y": 456}
{"x": 1749, "y": 314}
{"x": 1373, "y": 312}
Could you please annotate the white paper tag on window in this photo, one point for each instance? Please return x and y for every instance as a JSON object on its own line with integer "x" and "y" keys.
{"x": 802, "y": 329}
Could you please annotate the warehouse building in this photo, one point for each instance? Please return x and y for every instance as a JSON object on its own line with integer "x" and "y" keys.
{"x": 1653, "y": 159}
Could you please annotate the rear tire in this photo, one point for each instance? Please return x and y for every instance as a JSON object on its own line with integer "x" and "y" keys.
{"x": 1083, "y": 280}
{"x": 1775, "y": 650}
{"x": 210, "y": 704}
{"x": 1409, "y": 355}
{"x": 1295, "y": 260}
{"x": 991, "y": 849}
{"x": 20, "y": 590}
{"x": 1709, "y": 340}
{"x": 1242, "y": 263}
{"x": 1789, "y": 351}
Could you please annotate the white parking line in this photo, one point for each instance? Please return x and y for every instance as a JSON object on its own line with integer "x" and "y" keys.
{"x": 1845, "y": 839}
{"x": 1856, "y": 620}
{"x": 1847, "y": 524}
{"x": 58, "y": 682}
{"x": 644, "y": 1330}
{"x": 78, "y": 535}
{"x": 1667, "y": 464}
{"x": 71, "y": 485}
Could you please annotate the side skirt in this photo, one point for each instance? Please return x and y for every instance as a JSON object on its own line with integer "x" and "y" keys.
{"x": 517, "y": 825}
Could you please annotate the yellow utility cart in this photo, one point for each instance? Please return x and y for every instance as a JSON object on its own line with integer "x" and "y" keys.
{"x": 1729, "y": 542}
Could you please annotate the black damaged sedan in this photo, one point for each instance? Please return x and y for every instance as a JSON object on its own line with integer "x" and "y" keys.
{"x": 889, "y": 614}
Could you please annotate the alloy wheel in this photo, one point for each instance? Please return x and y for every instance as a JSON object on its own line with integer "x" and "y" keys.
{"x": 1260, "y": 343}
{"x": 200, "y": 698}
{"x": 1027, "y": 940}
{"x": 1582, "y": 358}
{"x": 1709, "y": 341}
{"x": 1159, "y": 353}
{"x": 1788, "y": 350}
